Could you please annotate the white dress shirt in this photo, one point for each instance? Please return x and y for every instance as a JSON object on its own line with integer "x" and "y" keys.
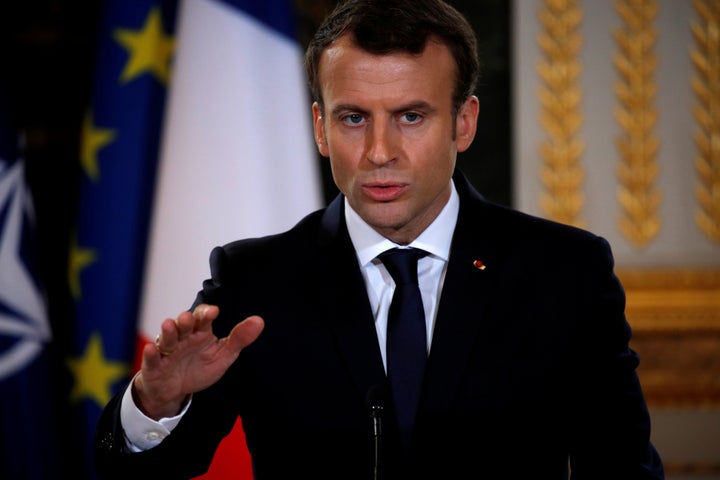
{"x": 142, "y": 432}
{"x": 435, "y": 240}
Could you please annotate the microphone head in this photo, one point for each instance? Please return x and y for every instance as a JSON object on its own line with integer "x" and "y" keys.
{"x": 375, "y": 399}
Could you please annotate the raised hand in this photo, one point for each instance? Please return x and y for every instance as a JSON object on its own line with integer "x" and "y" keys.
{"x": 188, "y": 357}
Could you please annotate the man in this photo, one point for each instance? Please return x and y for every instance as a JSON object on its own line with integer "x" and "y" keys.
{"x": 525, "y": 371}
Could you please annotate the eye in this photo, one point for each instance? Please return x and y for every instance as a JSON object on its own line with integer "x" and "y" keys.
{"x": 353, "y": 119}
{"x": 411, "y": 117}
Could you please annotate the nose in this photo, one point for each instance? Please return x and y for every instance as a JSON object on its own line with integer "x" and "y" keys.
{"x": 380, "y": 143}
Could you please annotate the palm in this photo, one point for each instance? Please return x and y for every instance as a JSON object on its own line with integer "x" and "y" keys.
{"x": 196, "y": 359}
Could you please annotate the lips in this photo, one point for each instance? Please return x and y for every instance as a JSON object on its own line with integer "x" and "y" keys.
{"x": 385, "y": 191}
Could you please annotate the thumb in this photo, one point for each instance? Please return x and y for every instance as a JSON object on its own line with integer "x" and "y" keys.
{"x": 245, "y": 332}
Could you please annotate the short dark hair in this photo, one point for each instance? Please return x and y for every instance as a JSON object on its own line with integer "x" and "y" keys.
{"x": 387, "y": 26}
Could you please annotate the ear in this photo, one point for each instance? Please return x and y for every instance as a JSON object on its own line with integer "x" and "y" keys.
{"x": 466, "y": 122}
{"x": 319, "y": 130}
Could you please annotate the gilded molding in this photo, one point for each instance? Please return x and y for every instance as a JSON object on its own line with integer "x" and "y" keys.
{"x": 675, "y": 319}
{"x": 672, "y": 300}
{"x": 638, "y": 146}
{"x": 706, "y": 85}
{"x": 692, "y": 468}
{"x": 562, "y": 174}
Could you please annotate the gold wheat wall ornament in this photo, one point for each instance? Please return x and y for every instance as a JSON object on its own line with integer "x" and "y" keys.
{"x": 562, "y": 174}
{"x": 706, "y": 85}
{"x": 637, "y": 145}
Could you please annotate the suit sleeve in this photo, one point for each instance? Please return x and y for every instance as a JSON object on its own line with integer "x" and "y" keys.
{"x": 611, "y": 424}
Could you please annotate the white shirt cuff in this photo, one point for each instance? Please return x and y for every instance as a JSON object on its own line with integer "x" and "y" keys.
{"x": 142, "y": 432}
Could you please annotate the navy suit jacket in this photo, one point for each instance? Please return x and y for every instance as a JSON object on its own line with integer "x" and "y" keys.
{"x": 530, "y": 373}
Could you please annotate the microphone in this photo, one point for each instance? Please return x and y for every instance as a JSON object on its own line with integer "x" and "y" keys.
{"x": 375, "y": 401}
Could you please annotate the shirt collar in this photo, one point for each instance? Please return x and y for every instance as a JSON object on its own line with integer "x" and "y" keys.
{"x": 435, "y": 239}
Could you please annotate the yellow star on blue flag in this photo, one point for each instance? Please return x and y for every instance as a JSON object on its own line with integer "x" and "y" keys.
{"x": 150, "y": 49}
{"x": 94, "y": 374}
{"x": 94, "y": 139}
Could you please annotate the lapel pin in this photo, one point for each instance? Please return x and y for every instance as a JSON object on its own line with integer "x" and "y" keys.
{"x": 479, "y": 265}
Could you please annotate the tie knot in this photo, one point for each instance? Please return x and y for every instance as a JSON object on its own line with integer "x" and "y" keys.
{"x": 401, "y": 263}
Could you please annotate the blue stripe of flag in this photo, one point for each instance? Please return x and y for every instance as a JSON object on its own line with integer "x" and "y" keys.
{"x": 276, "y": 14}
{"x": 115, "y": 209}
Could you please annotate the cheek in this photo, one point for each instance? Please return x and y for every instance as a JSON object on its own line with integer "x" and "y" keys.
{"x": 339, "y": 171}
{"x": 343, "y": 159}
{"x": 437, "y": 155}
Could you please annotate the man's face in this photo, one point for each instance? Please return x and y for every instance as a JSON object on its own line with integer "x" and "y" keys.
{"x": 390, "y": 133}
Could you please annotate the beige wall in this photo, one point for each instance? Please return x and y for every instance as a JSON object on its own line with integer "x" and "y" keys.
{"x": 671, "y": 269}
{"x": 679, "y": 242}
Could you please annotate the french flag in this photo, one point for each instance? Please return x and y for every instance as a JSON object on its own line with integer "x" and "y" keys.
{"x": 236, "y": 158}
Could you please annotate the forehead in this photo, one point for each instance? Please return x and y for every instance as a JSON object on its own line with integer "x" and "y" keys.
{"x": 346, "y": 70}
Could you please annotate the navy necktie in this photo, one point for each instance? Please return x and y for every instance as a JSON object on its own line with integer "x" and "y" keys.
{"x": 406, "y": 337}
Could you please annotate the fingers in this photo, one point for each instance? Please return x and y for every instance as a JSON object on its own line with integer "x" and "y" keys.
{"x": 165, "y": 344}
{"x": 150, "y": 357}
{"x": 169, "y": 336}
{"x": 173, "y": 332}
{"x": 200, "y": 319}
{"x": 245, "y": 332}
{"x": 204, "y": 315}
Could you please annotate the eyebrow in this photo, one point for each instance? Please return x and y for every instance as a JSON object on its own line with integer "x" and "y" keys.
{"x": 415, "y": 105}
{"x": 346, "y": 107}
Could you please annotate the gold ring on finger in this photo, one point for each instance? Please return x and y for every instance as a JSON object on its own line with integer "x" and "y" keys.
{"x": 162, "y": 352}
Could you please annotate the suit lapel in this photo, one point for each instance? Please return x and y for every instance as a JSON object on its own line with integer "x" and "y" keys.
{"x": 348, "y": 310}
{"x": 463, "y": 310}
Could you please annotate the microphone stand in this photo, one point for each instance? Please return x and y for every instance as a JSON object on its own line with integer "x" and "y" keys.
{"x": 376, "y": 414}
{"x": 375, "y": 399}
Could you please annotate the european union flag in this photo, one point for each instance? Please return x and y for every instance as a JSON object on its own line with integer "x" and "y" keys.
{"x": 121, "y": 136}
{"x": 26, "y": 393}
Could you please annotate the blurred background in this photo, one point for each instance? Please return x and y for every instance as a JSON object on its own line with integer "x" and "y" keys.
{"x": 592, "y": 113}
